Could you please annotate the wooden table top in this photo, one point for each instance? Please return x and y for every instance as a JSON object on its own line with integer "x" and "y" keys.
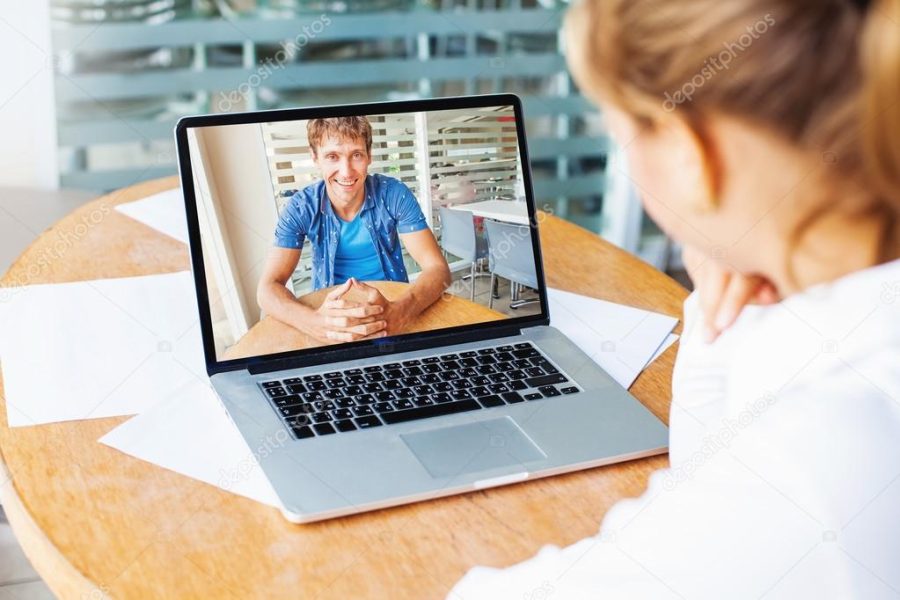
{"x": 93, "y": 520}
{"x": 270, "y": 335}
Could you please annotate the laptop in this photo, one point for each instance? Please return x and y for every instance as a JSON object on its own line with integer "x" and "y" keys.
{"x": 478, "y": 391}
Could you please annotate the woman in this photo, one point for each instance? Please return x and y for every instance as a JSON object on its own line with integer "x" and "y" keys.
{"x": 764, "y": 135}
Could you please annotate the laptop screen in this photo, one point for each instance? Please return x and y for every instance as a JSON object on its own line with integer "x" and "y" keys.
{"x": 360, "y": 225}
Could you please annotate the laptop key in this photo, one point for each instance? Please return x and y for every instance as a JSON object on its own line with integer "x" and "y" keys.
{"x": 335, "y": 382}
{"x": 374, "y": 377}
{"x": 367, "y": 422}
{"x": 364, "y": 399}
{"x": 344, "y": 402}
{"x": 297, "y": 388}
{"x": 385, "y": 396}
{"x": 353, "y": 372}
{"x": 468, "y": 354}
{"x": 521, "y": 345}
{"x": 293, "y": 410}
{"x": 276, "y": 392}
{"x": 423, "y": 401}
{"x": 430, "y": 360}
{"x": 372, "y": 369}
{"x": 363, "y": 411}
{"x": 505, "y": 355}
{"x": 490, "y": 401}
{"x": 321, "y": 417}
{"x": 548, "y": 391}
{"x": 370, "y": 388}
{"x": 392, "y": 384}
{"x": 402, "y": 404}
{"x": 308, "y": 378}
{"x": 303, "y": 432}
{"x": 408, "y": 371}
{"x": 356, "y": 380}
{"x": 345, "y": 425}
{"x": 270, "y": 384}
{"x": 342, "y": 413}
{"x": 537, "y": 382}
{"x": 333, "y": 375}
{"x": 450, "y": 365}
{"x": 498, "y": 388}
{"x": 516, "y": 385}
{"x": 293, "y": 380}
{"x": 446, "y": 357}
{"x": 526, "y": 353}
{"x": 433, "y": 410}
{"x": 430, "y": 378}
{"x": 352, "y": 390}
{"x": 481, "y": 380}
{"x": 512, "y": 397}
{"x": 534, "y": 396}
{"x": 394, "y": 374}
{"x": 569, "y": 390}
{"x": 460, "y": 395}
{"x": 441, "y": 397}
{"x": 479, "y": 391}
{"x": 432, "y": 368}
{"x": 316, "y": 385}
{"x": 534, "y": 371}
{"x": 287, "y": 401}
{"x": 410, "y": 381}
{"x": 410, "y": 363}
{"x": 324, "y": 428}
{"x": 383, "y": 407}
{"x": 504, "y": 349}
{"x": 442, "y": 386}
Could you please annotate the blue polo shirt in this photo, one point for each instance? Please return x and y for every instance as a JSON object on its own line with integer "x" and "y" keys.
{"x": 389, "y": 209}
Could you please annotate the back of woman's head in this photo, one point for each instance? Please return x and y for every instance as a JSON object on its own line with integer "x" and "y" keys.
{"x": 822, "y": 74}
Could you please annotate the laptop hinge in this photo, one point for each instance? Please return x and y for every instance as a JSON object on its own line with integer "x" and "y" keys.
{"x": 383, "y": 349}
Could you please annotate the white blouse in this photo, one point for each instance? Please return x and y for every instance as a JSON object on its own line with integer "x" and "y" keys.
{"x": 785, "y": 465}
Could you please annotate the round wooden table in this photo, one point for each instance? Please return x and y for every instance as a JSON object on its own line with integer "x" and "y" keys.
{"x": 94, "y": 521}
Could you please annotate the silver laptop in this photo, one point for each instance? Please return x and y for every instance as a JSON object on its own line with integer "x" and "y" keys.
{"x": 290, "y": 210}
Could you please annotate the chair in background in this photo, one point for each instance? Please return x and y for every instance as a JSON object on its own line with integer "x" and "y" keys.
{"x": 511, "y": 256}
{"x": 458, "y": 238}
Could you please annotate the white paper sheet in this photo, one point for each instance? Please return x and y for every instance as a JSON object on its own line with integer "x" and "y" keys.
{"x": 621, "y": 339}
{"x": 167, "y": 434}
{"x": 670, "y": 339}
{"x": 163, "y": 212}
{"x": 191, "y": 434}
{"x": 100, "y": 348}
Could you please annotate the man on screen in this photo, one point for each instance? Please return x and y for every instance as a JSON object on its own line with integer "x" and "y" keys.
{"x": 355, "y": 222}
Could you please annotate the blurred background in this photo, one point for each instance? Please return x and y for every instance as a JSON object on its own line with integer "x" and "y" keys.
{"x": 93, "y": 106}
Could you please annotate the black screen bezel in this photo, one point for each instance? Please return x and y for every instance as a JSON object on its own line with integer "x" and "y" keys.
{"x": 360, "y": 349}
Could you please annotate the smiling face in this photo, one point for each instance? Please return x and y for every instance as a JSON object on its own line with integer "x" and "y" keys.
{"x": 344, "y": 165}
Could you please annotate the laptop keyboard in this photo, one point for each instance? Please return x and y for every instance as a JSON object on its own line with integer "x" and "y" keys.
{"x": 397, "y": 392}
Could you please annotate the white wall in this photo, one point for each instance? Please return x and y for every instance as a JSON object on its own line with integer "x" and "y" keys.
{"x": 27, "y": 123}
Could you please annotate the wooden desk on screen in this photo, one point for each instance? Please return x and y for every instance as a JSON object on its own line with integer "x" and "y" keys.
{"x": 91, "y": 518}
{"x": 270, "y": 335}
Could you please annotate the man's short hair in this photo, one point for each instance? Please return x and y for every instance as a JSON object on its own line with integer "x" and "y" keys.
{"x": 342, "y": 128}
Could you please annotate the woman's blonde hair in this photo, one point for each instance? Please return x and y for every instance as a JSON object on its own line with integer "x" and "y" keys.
{"x": 823, "y": 74}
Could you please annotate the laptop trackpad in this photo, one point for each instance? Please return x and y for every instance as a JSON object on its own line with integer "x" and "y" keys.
{"x": 459, "y": 449}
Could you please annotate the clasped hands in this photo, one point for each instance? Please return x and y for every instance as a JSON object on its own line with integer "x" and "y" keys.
{"x": 342, "y": 319}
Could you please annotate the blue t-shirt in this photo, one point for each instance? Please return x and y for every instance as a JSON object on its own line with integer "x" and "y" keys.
{"x": 389, "y": 209}
{"x": 356, "y": 255}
